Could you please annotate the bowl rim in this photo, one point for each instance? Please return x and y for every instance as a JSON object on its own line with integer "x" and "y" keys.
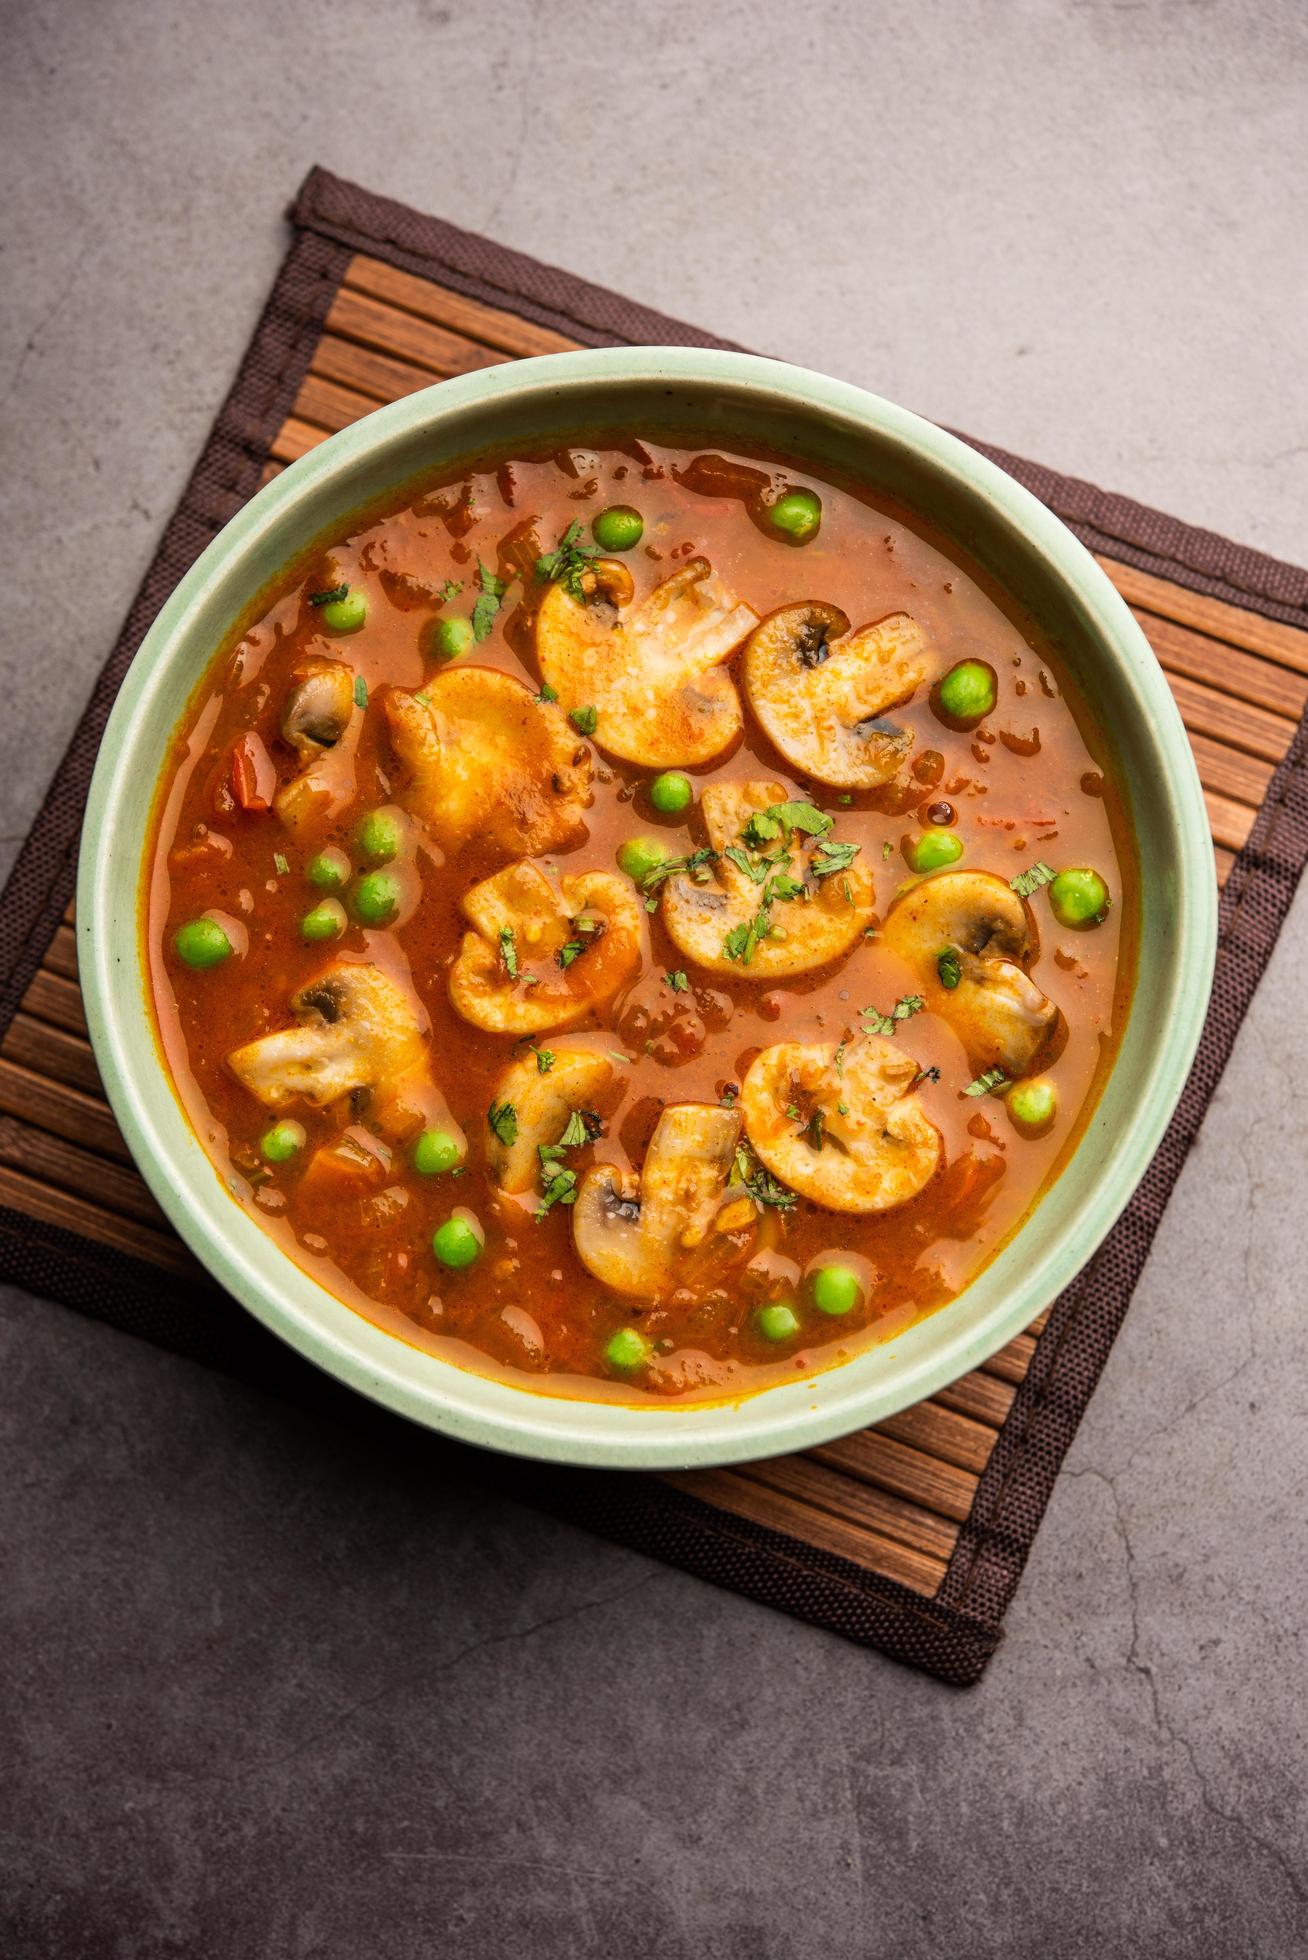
{"x": 426, "y": 1387}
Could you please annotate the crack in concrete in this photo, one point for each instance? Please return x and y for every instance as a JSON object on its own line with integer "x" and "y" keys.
{"x": 1173, "y": 1737}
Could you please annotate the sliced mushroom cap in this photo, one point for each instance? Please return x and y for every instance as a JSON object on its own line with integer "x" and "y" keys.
{"x": 579, "y": 1078}
{"x": 485, "y": 758}
{"x": 821, "y": 693}
{"x": 653, "y": 671}
{"x": 636, "y": 1234}
{"x": 861, "y": 1141}
{"x": 818, "y": 926}
{"x": 997, "y": 1011}
{"x": 320, "y": 723}
{"x": 358, "y": 1030}
{"x": 517, "y": 971}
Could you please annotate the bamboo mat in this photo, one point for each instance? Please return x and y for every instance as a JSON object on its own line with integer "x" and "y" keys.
{"x": 910, "y": 1535}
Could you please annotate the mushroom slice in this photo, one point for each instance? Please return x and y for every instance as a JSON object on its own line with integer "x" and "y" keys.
{"x": 485, "y": 758}
{"x": 995, "y": 1008}
{"x": 821, "y": 692}
{"x": 861, "y": 1140}
{"x": 636, "y": 1233}
{"x": 357, "y": 1030}
{"x": 319, "y": 722}
{"x": 727, "y": 925}
{"x": 653, "y": 670}
{"x": 542, "y": 958}
{"x": 542, "y": 1103}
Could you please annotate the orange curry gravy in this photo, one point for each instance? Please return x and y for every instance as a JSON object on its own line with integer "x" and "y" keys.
{"x": 1024, "y": 787}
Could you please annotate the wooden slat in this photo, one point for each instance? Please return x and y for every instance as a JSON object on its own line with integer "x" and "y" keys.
{"x": 812, "y": 1482}
{"x": 406, "y": 337}
{"x": 980, "y": 1396}
{"x": 910, "y": 1473}
{"x": 1246, "y": 676}
{"x": 52, "y": 1052}
{"x": 368, "y": 371}
{"x": 53, "y": 998}
{"x": 1230, "y": 772}
{"x": 61, "y": 954}
{"x": 88, "y": 1221}
{"x": 329, "y": 406}
{"x": 1214, "y": 617}
{"x": 1223, "y": 859}
{"x": 942, "y": 1432}
{"x": 63, "y": 1111}
{"x": 1229, "y": 821}
{"x": 487, "y": 324}
{"x": 295, "y": 439}
{"x": 1235, "y": 724}
{"x": 1011, "y": 1362}
{"x": 730, "y": 1491}
{"x": 57, "y": 1162}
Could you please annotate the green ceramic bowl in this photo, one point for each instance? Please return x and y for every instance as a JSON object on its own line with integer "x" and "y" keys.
{"x": 814, "y": 420}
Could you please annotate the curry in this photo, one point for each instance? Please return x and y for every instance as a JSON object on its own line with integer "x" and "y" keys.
{"x": 641, "y": 921}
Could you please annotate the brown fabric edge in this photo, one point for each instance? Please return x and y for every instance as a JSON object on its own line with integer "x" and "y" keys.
{"x": 942, "y": 1636}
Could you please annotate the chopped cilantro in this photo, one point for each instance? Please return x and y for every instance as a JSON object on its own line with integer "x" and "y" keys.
{"x": 830, "y": 857}
{"x": 488, "y": 601}
{"x": 697, "y": 863}
{"x": 886, "y": 849}
{"x": 280, "y": 864}
{"x": 875, "y": 1022}
{"x": 509, "y": 951}
{"x": 502, "y": 1119}
{"x": 561, "y": 1190}
{"x": 1031, "y": 880}
{"x": 450, "y": 590}
{"x": 753, "y": 868}
{"x": 567, "y": 954}
{"x": 575, "y": 1133}
{"x": 925, "y": 1075}
{"x": 544, "y": 1060}
{"x": 783, "y": 887}
{"x": 987, "y": 1084}
{"x": 566, "y": 563}
{"x": 584, "y": 720}
{"x": 949, "y": 969}
{"x": 360, "y": 691}
{"x": 814, "y": 1132}
{"x": 329, "y": 597}
{"x": 678, "y": 982}
{"x": 424, "y": 698}
{"x": 547, "y": 693}
{"x": 765, "y": 826}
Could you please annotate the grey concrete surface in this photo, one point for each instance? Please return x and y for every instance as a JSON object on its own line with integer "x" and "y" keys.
{"x": 268, "y": 1695}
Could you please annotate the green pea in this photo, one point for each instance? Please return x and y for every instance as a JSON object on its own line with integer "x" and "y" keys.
{"x": 671, "y": 793}
{"x": 450, "y": 636}
{"x": 328, "y": 870}
{"x": 345, "y": 615}
{"x": 620, "y": 528}
{"x": 282, "y": 1142}
{"x": 202, "y": 943}
{"x": 455, "y": 1243}
{"x": 777, "y": 1322}
{"x": 435, "y": 1152}
{"x": 798, "y": 514}
{"x": 836, "y": 1289}
{"x": 934, "y": 848}
{"x": 380, "y": 836}
{"x": 326, "y": 921}
{"x": 627, "y": 1350}
{"x": 376, "y": 898}
{"x": 639, "y": 856}
{"x": 967, "y": 694}
{"x": 1032, "y": 1105}
{"x": 1079, "y": 898}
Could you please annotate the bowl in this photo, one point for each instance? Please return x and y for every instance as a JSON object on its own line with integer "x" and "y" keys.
{"x": 832, "y": 427}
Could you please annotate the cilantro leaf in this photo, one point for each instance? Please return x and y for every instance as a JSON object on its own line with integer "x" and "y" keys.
{"x": 279, "y": 864}
{"x": 544, "y": 1060}
{"x": 875, "y": 1022}
{"x": 329, "y": 597}
{"x": 830, "y": 857}
{"x": 949, "y": 969}
{"x": 502, "y": 1119}
{"x": 678, "y": 982}
{"x": 584, "y": 720}
{"x": 567, "y": 954}
{"x": 547, "y": 693}
{"x": 509, "y": 951}
{"x": 561, "y": 1190}
{"x": 1031, "y": 880}
{"x": 766, "y": 825}
{"x": 488, "y": 602}
{"x": 696, "y": 866}
{"x": 987, "y": 1084}
{"x": 753, "y": 868}
{"x": 566, "y": 563}
{"x": 360, "y": 691}
{"x": 450, "y": 590}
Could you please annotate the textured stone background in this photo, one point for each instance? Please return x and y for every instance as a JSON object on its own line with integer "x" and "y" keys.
{"x": 267, "y": 1696}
